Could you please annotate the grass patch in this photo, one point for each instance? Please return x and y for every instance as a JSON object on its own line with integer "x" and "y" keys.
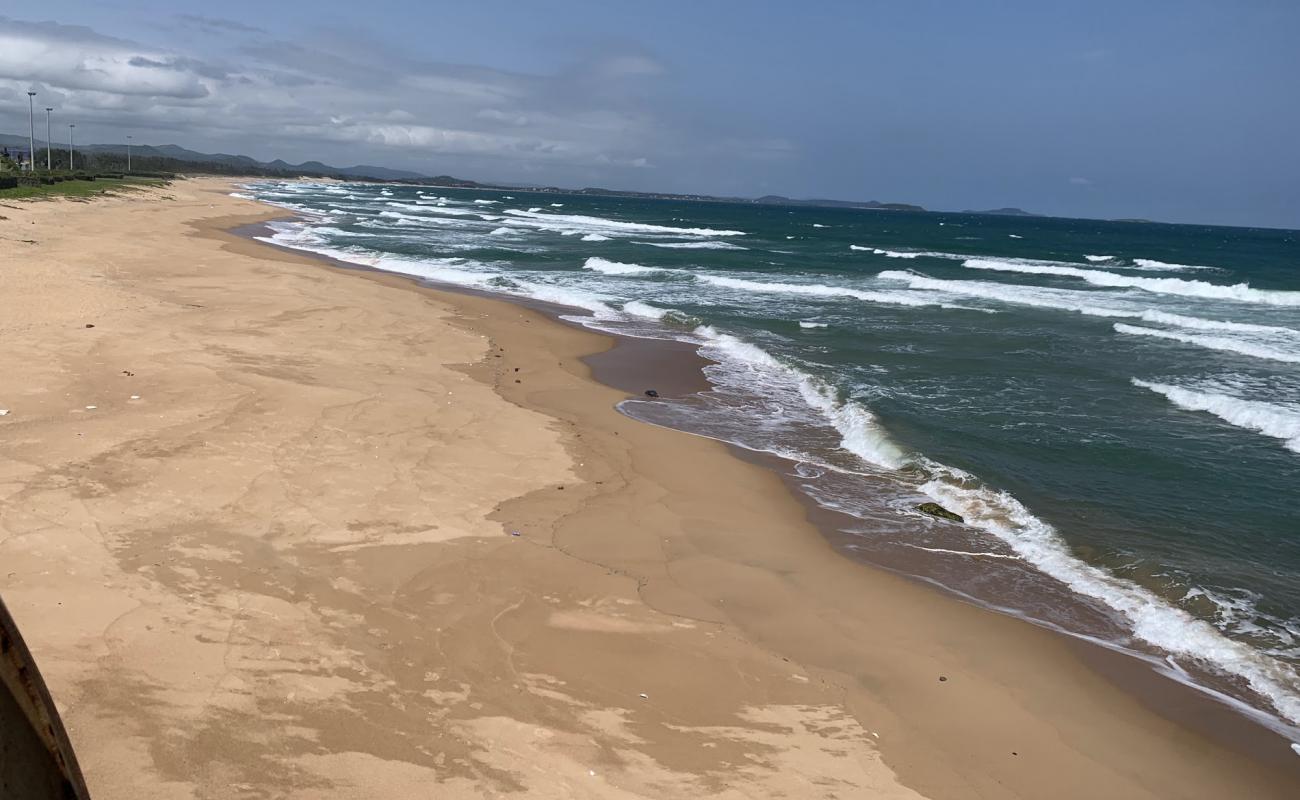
{"x": 78, "y": 189}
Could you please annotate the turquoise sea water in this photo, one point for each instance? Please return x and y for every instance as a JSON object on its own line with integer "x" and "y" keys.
{"x": 1113, "y": 407}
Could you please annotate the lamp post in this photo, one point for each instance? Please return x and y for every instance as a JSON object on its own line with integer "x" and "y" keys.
{"x": 128, "y": 153}
{"x": 70, "y": 127}
{"x": 31, "y": 134}
{"x": 49, "y": 143}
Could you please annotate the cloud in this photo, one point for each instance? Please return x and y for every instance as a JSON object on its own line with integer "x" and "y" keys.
{"x": 73, "y": 57}
{"x": 340, "y": 95}
{"x": 215, "y": 25}
{"x": 1080, "y": 182}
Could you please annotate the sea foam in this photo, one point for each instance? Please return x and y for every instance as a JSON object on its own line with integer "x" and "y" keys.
{"x": 601, "y": 225}
{"x": 615, "y": 268}
{"x": 1272, "y": 420}
{"x": 1240, "y": 292}
{"x": 814, "y": 290}
{"x": 1161, "y": 266}
{"x": 1223, "y": 343}
{"x": 706, "y": 245}
{"x": 1152, "y": 619}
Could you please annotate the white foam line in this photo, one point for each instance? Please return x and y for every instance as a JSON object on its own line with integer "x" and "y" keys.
{"x": 608, "y": 267}
{"x": 908, "y": 253}
{"x": 579, "y": 223}
{"x": 1152, "y": 619}
{"x": 860, "y": 433}
{"x": 1221, "y": 343}
{"x": 1196, "y": 323}
{"x": 814, "y": 290}
{"x": 1161, "y": 266}
{"x": 963, "y": 552}
{"x": 695, "y": 245}
{"x": 1271, "y": 420}
{"x": 1081, "y": 302}
{"x": 1240, "y": 292}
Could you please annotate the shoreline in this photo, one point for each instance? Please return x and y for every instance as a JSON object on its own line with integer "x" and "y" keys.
{"x": 1223, "y": 719}
{"x": 676, "y": 367}
{"x": 667, "y": 622}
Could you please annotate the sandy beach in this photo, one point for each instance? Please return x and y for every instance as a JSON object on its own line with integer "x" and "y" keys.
{"x": 273, "y": 528}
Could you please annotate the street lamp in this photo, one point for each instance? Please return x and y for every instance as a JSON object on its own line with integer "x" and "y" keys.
{"x": 31, "y": 134}
{"x": 70, "y": 127}
{"x": 49, "y": 143}
{"x": 128, "y": 153}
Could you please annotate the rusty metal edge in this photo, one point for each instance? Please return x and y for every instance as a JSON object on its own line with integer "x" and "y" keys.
{"x": 19, "y": 676}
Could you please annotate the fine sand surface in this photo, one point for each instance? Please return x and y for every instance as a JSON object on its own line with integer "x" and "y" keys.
{"x": 287, "y": 568}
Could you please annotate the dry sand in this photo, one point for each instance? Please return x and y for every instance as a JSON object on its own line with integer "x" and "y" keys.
{"x": 256, "y": 526}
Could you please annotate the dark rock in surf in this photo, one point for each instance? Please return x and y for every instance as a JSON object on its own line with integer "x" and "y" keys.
{"x": 936, "y": 510}
{"x": 651, "y": 393}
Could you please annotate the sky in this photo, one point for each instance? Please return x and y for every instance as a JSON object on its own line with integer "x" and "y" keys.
{"x": 1182, "y": 111}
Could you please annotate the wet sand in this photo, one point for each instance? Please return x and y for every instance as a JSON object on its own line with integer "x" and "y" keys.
{"x": 289, "y": 568}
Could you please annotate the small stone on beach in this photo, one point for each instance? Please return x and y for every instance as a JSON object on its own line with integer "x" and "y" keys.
{"x": 943, "y": 678}
{"x": 88, "y": 325}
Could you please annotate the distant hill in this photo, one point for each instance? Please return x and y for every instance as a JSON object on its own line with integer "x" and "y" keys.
{"x": 174, "y": 158}
{"x": 1005, "y": 212}
{"x": 874, "y": 205}
{"x": 179, "y": 159}
{"x": 306, "y": 168}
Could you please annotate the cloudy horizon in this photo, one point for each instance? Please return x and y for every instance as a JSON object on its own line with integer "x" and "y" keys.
{"x": 1171, "y": 114}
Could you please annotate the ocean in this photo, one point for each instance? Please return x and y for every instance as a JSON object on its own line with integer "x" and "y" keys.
{"x": 1113, "y": 408}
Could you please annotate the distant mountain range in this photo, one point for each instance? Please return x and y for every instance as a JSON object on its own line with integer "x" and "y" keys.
{"x": 872, "y": 205}
{"x": 1005, "y": 212}
{"x": 170, "y": 157}
{"x": 178, "y": 153}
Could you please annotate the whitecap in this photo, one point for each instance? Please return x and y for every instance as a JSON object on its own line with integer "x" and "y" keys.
{"x": 607, "y": 267}
{"x": 1160, "y": 266}
{"x": 706, "y": 245}
{"x": 1276, "y": 421}
{"x": 1240, "y": 292}
{"x": 1222, "y": 343}
{"x": 814, "y": 290}
{"x": 578, "y": 222}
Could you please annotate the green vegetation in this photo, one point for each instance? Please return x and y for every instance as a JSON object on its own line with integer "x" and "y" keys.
{"x": 83, "y": 187}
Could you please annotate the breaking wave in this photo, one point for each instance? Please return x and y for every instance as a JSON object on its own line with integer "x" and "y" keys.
{"x": 1240, "y": 292}
{"x": 615, "y": 268}
{"x": 583, "y": 224}
{"x": 1223, "y": 343}
{"x": 695, "y": 245}
{"x": 1272, "y": 420}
